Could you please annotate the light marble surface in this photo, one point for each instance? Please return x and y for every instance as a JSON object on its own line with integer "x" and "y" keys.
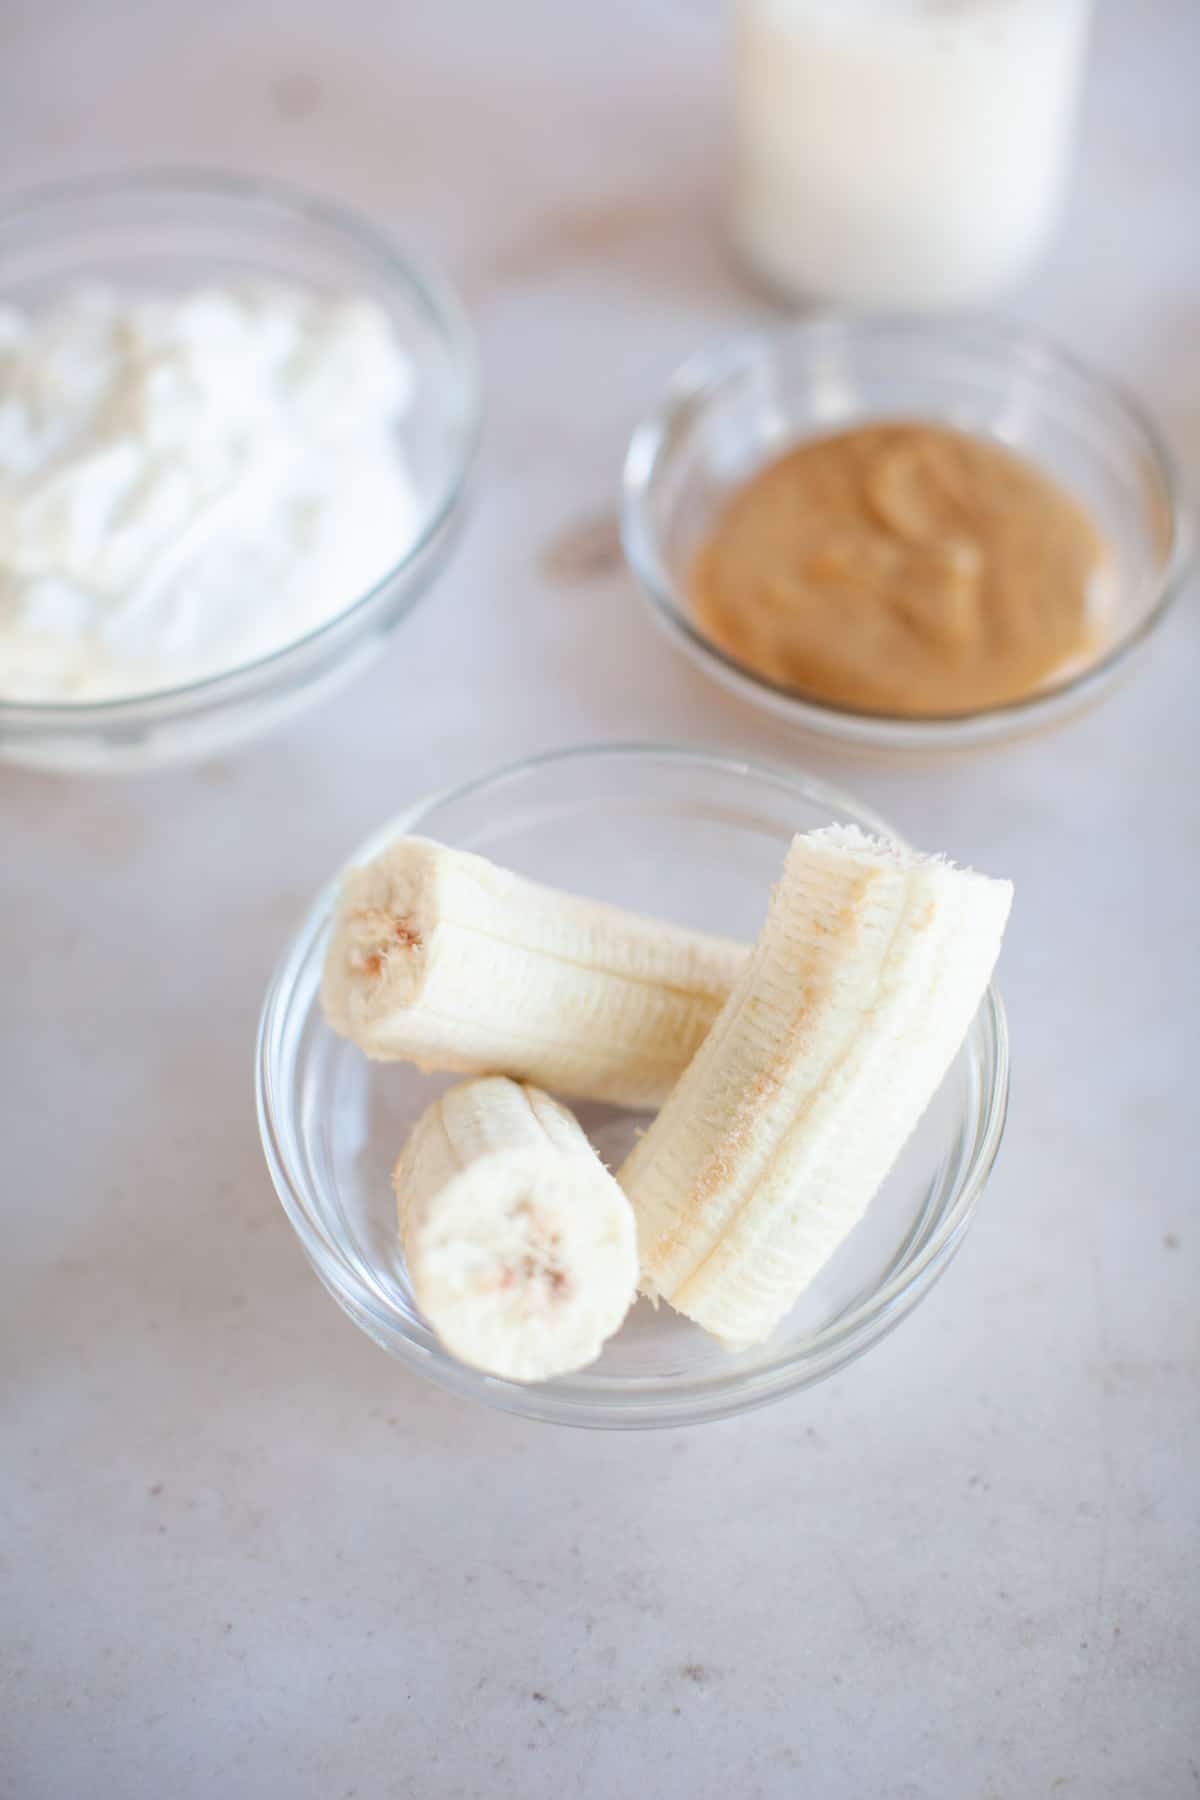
{"x": 246, "y": 1554}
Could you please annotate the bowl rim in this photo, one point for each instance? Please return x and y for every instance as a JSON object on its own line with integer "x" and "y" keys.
{"x": 617, "y": 1404}
{"x": 415, "y": 272}
{"x": 1046, "y": 362}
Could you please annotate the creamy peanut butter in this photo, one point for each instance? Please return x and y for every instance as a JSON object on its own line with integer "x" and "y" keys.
{"x": 901, "y": 568}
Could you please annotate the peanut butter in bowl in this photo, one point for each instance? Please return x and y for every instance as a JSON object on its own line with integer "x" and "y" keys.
{"x": 903, "y": 568}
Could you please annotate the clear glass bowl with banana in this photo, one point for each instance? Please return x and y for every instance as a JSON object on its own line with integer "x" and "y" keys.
{"x": 635, "y": 1085}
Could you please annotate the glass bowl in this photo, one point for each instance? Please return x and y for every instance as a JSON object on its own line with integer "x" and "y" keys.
{"x": 177, "y": 230}
{"x": 695, "y": 837}
{"x": 734, "y": 408}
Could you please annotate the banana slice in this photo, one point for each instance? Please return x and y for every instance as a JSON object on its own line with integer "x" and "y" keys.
{"x": 856, "y": 998}
{"x": 441, "y": 958}
{"x": 520, "y": 1246}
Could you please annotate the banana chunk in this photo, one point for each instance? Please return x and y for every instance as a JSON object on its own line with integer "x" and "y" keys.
{"x": 856, "y": 997}
{"x": 520, "y": 1245}
{"x": 443, "y": 959}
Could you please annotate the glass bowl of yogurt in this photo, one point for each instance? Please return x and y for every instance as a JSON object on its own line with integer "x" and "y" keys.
{"x": 900, "y": 533}
{"x": 235, "y": 429}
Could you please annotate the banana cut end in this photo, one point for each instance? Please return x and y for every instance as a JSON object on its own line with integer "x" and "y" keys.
{"x": 519, "y": 1244}
{"x": 379, "y": 946}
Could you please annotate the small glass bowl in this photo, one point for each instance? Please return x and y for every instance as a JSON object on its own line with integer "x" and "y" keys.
{"x": 695, "y": 837}
{"x": 173, "y": 231}
{"x": 732, "y": 409}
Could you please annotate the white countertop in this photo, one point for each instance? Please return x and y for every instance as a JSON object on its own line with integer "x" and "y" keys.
{"x": 246, "y": 1553}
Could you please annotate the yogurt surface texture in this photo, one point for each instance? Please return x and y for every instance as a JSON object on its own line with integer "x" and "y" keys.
{"x": 190, "y": 481}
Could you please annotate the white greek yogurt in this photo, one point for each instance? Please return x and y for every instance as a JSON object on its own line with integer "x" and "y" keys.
{"x": 190, "y": 481}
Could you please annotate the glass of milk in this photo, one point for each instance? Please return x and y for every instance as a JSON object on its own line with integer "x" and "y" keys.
{"x": 902, "y": 153}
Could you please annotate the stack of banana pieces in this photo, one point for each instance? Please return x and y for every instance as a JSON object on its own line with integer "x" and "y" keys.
{"x": 784, "y": 1079}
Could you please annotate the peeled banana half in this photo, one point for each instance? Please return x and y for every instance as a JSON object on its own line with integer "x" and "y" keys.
{"x": 440, "y": 958}
{"x": 856, "y": 997}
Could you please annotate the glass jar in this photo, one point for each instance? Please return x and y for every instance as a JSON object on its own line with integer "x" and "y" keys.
{"x": 902, "y": 153}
